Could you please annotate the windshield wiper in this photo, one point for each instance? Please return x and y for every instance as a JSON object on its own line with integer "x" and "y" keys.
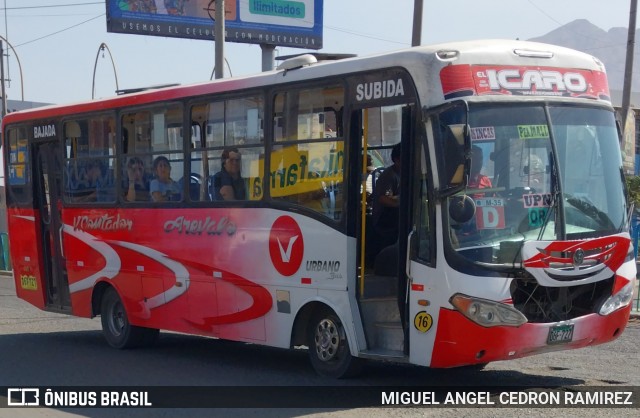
{"x": 590, "y": 210}
{"x": 555, "y": 196}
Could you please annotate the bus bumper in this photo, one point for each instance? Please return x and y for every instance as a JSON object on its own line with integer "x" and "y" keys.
{"x": 461, "y": 342}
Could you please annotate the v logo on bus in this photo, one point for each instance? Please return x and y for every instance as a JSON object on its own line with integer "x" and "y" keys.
{"x": 286, "y": 230}
{"x": 286, "y": 255}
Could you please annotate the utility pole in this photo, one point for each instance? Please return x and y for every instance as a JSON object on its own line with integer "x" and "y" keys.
{"x": 417, "y": 23}
{"x": 219, "y": 38}
{"x": 628, "y": 69}
{"x": 627, "y": 115}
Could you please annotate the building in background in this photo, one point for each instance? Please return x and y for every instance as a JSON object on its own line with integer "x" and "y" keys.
{"x": 616, "y": 100}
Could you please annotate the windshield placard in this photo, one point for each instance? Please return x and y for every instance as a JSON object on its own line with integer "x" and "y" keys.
{"x": 490, "y": 213}
{"x": 539, "y": 200}
{"x": 533, "y": 131}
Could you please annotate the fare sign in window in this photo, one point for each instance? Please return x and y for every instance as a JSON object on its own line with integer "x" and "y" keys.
{"x": 490, "y": 213}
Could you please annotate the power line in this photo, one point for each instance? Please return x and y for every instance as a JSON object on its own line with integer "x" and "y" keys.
{"x": 545, "y": 13}
{"x": 49, "y": 15}
{"x": 53, "y": 5}
{"x": 365, "y": 35}
{"x": 334, "y": 28}
{"x": 61, "y": 30}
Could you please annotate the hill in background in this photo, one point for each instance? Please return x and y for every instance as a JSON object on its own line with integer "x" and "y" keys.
{"x": 609, "y": 47}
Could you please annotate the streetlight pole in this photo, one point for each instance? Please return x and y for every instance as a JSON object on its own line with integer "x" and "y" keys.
{"x": 4, "y": 96}
{"x": 228, "y": 68}
{"x": 102, "y": 47}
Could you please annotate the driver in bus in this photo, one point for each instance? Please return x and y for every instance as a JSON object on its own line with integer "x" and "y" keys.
{"x": 228, "y": 183}
{"x": 477, "y": 180}
{"x": 163, "y": 188}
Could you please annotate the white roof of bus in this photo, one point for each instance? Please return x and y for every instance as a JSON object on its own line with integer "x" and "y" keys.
{"x": 499, "y": 52}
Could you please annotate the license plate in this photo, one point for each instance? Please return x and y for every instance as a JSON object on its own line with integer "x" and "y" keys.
{"x": 28, "y": 282}
{"x": 560, "y": 334}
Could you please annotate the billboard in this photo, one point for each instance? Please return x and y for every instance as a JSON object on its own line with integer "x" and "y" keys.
{"x": 296, "y": 24}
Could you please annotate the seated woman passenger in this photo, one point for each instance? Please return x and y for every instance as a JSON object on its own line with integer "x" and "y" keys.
{"x": 163, "y": 188}
{"x": 228, "y": 183}
{"x": 137, "y": 182}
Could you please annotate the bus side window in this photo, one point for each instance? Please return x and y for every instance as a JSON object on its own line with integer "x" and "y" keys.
{"x": 307, "y": 164}
{"x": 106, "y": 191}
{"x": 89, "y": 160}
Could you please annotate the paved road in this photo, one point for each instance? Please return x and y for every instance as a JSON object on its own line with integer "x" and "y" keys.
{"x": 40, "y": 348}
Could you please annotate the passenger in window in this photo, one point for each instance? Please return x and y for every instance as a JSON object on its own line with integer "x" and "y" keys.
{"x": 386, "y": 201}
{"x": 137, "y": 182}
{"x": 228, "y": 183}
{"x": 163, "y": 188}
{"x": 90, "y": 182}
{"x": 476, "y": 179}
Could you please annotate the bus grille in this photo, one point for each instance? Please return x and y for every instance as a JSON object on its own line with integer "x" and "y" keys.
{"x": 541, "y": 304}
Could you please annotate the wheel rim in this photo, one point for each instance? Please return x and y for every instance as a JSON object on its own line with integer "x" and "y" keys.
{"x": 327, "y": 340}
{"x": 117, "y": 319}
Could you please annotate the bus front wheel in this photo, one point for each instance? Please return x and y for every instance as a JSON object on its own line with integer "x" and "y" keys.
{"x": 116, "y": 328}
{"x": 328, "y": 347}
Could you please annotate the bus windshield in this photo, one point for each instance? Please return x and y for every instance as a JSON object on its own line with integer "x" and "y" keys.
{"x": 538, "y": 172}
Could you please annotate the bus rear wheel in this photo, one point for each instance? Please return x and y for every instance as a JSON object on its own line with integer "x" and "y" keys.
{"x": 116, "y": 328}
{"x": 328, "y": 347}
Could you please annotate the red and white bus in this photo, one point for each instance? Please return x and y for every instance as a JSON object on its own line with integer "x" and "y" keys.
{"x": 534, "y": 257}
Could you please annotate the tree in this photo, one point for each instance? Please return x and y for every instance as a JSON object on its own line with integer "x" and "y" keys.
{"x": 633, "y": 188}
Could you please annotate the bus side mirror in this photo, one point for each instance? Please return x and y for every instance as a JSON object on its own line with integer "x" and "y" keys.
{"x": 454, "y": 159}
{"x": 462, "y": 208}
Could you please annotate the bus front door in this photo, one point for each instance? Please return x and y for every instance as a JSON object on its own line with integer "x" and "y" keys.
{"x": 48, "y": 197}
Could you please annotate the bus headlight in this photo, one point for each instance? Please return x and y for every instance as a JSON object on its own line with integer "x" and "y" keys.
{"x": 617, "y": 301}
{"x": 487, "y": 313}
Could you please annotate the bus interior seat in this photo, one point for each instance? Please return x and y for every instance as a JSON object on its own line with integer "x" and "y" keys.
{"x": 195, "y": 180}
{"x": 210, "y": 192}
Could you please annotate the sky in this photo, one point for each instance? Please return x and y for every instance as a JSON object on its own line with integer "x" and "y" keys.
{"x": 57, "y": 41}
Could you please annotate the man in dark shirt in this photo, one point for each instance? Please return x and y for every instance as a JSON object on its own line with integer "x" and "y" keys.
{"x": 386, "y": 201}
{"x": 228, "y": 183}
